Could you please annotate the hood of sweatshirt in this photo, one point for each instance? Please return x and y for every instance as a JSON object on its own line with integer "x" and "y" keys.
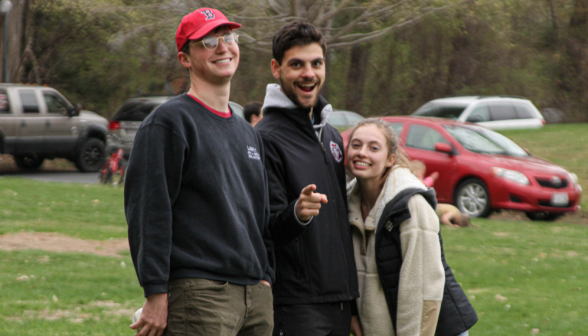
{"x": 276, "y": 98}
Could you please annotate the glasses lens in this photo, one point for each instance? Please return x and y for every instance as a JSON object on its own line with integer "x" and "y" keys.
{"x": 231, "y": 37}
{"x": 210, "y": 42}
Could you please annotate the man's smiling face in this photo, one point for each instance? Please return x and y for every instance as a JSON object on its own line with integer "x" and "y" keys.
{"x": 301, "y": 74}
{"x": 213, "y": 65}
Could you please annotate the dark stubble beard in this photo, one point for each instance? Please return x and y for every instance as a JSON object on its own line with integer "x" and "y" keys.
{"x": 289, "y": 92}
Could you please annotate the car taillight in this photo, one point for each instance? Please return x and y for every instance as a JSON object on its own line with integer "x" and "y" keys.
{"x": 543, "y": 121}
{"x": 114, "y": 125}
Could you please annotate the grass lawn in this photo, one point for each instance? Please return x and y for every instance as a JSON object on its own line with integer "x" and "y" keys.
{"x": 564, "y": 144}
{"x": 522, "y": 275}
{"x": 66, "y": 294}
{"x": 84, "y": 211}
{"x": 519, "y": 275}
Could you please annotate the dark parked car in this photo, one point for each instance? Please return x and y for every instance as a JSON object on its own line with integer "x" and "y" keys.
{"x": 481, "y": 170}
{"x": 126, "y": 120}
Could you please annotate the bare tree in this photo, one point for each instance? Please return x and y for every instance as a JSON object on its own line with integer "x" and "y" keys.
{"x": 345, "y": 23}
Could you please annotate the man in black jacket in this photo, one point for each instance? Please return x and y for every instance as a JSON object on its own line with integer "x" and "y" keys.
{"x": 196, "y": 200}
{"x": 316, "y": 280}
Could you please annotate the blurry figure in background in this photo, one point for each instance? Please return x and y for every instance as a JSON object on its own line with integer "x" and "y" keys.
{"x": 450, "y": 215}
{"x": 419, "y": 169}
{"x": 253, "y": 113}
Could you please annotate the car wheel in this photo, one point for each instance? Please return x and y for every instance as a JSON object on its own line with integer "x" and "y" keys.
{"x": 91, "y": 156}
{"x": 472, "y": 198}
{"x": 28, "y": 162}
{"x": 543, "y": 216}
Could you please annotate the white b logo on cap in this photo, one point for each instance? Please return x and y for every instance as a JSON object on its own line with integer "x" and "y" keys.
{"x": 209, "y": 14}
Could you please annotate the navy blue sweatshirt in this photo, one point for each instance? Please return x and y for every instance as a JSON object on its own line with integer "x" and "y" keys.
{"x": 196, "y": 198}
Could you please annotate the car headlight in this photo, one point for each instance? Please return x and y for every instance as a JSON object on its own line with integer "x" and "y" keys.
{"x": 574, "y": 178}
{"x": 512, "y": 175}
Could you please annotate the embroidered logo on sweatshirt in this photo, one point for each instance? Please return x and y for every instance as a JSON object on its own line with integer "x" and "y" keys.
{"x": 252, "y": 152}
{"x": 336, "y": 151}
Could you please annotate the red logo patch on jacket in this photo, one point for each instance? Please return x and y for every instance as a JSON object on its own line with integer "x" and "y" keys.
{"x": 336, "y": 151}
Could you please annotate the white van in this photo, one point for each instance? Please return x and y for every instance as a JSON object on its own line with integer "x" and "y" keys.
{"x": 494, "y": 112}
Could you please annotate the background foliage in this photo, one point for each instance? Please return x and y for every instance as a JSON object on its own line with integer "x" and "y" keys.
{"x": 387, "y": 56}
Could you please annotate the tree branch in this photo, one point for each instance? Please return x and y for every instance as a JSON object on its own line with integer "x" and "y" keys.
{"x": 378, "y": 33}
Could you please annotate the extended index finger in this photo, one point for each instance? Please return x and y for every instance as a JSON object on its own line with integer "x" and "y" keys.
{"x": 308, "y": 189}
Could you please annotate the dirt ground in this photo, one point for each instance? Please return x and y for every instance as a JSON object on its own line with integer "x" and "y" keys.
{"x": 55, "y": 242}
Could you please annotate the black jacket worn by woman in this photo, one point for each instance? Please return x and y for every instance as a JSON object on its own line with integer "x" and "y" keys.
{"x": 457, "y": 314}
{"x": 314, "y": 262}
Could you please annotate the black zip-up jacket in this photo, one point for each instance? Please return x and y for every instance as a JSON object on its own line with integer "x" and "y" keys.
{"x": 314, "y": 262}
{"x": 457, "y": 314}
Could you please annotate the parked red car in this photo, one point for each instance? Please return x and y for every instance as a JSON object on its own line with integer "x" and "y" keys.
{"x": 481, "y": 170}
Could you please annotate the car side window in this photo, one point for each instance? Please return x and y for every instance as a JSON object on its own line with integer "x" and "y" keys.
{"x": 424, "y": 137}
{"x": 4, "y": 104}
{"x": 29, "y": 101}
{"x": 55, "y": 104}
{"x": 397, "y": 127}
{"x": 479, "y": 114}
{"x": 523, "y": 111}
{"x": 503, "y": 112}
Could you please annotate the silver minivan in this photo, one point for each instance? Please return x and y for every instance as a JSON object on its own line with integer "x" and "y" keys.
{"x": 494, "y": 112}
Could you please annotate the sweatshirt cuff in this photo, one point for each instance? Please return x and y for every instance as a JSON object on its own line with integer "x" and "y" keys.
{"x": 154, "y": 289}
{"x": 298, "y": 220}
{"x": 353, "y": 306}
{"x": 268, "y": 278}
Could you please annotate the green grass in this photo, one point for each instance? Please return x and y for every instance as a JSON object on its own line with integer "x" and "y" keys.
{"x": 538, "y": 267}
{"x": 66, "y": 294}
{"x": 84, "y": 211}
{"x": 564, "y": 144}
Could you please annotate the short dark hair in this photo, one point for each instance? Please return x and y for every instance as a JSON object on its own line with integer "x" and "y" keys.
{"x": 252, "y": 108}
{"x": 297, "y": 33}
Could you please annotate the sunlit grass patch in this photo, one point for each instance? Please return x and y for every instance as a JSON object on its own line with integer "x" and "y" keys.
{"x": 66, "y": 294}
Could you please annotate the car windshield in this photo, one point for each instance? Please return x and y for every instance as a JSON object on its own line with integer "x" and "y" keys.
{"x": 481, "y": 140}
{"x": 433, "y": 109}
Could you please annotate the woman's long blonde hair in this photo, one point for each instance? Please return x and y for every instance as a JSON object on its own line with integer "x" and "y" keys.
{"x": 392, "y": 143}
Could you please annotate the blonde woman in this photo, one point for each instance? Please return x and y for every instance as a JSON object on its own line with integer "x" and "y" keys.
{"x": 406, "y": 287}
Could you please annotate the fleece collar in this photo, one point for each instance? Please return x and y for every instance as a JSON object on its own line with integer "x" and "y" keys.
{"x": 399, "y": 179}
{"x": 275, "y": 98}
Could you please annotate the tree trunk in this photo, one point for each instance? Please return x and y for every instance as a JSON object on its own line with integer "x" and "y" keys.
{"x": 16, "y": 18}
{"x": 356, "y": 78}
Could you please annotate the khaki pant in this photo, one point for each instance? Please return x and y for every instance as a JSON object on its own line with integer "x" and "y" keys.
{"x": 208, "y": 307}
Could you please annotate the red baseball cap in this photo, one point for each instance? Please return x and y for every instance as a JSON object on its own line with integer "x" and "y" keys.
{"x": 200, "y": 22}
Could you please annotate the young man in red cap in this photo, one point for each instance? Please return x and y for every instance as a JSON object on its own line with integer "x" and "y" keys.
{"x": 196, "y": 200}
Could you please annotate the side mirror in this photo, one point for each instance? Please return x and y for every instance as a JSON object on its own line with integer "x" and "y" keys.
{"x": 474, "y": 119}
{"x": 443, "y": 148}
{"x": 74, "y": 111}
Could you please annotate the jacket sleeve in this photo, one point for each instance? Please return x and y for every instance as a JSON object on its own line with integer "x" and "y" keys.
{"x": 269, "y": 275}
{"x": 151, "y": 188}
{"x": 284, "y": 225}
{"x": 422, "y": 277}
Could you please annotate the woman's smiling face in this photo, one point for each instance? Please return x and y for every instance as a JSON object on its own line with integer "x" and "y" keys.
{"x": 367, "y": 153}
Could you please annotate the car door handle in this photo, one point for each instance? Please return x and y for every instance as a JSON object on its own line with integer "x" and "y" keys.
{"x": 23, "y": 124}
{"x": 47, "y": 123}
